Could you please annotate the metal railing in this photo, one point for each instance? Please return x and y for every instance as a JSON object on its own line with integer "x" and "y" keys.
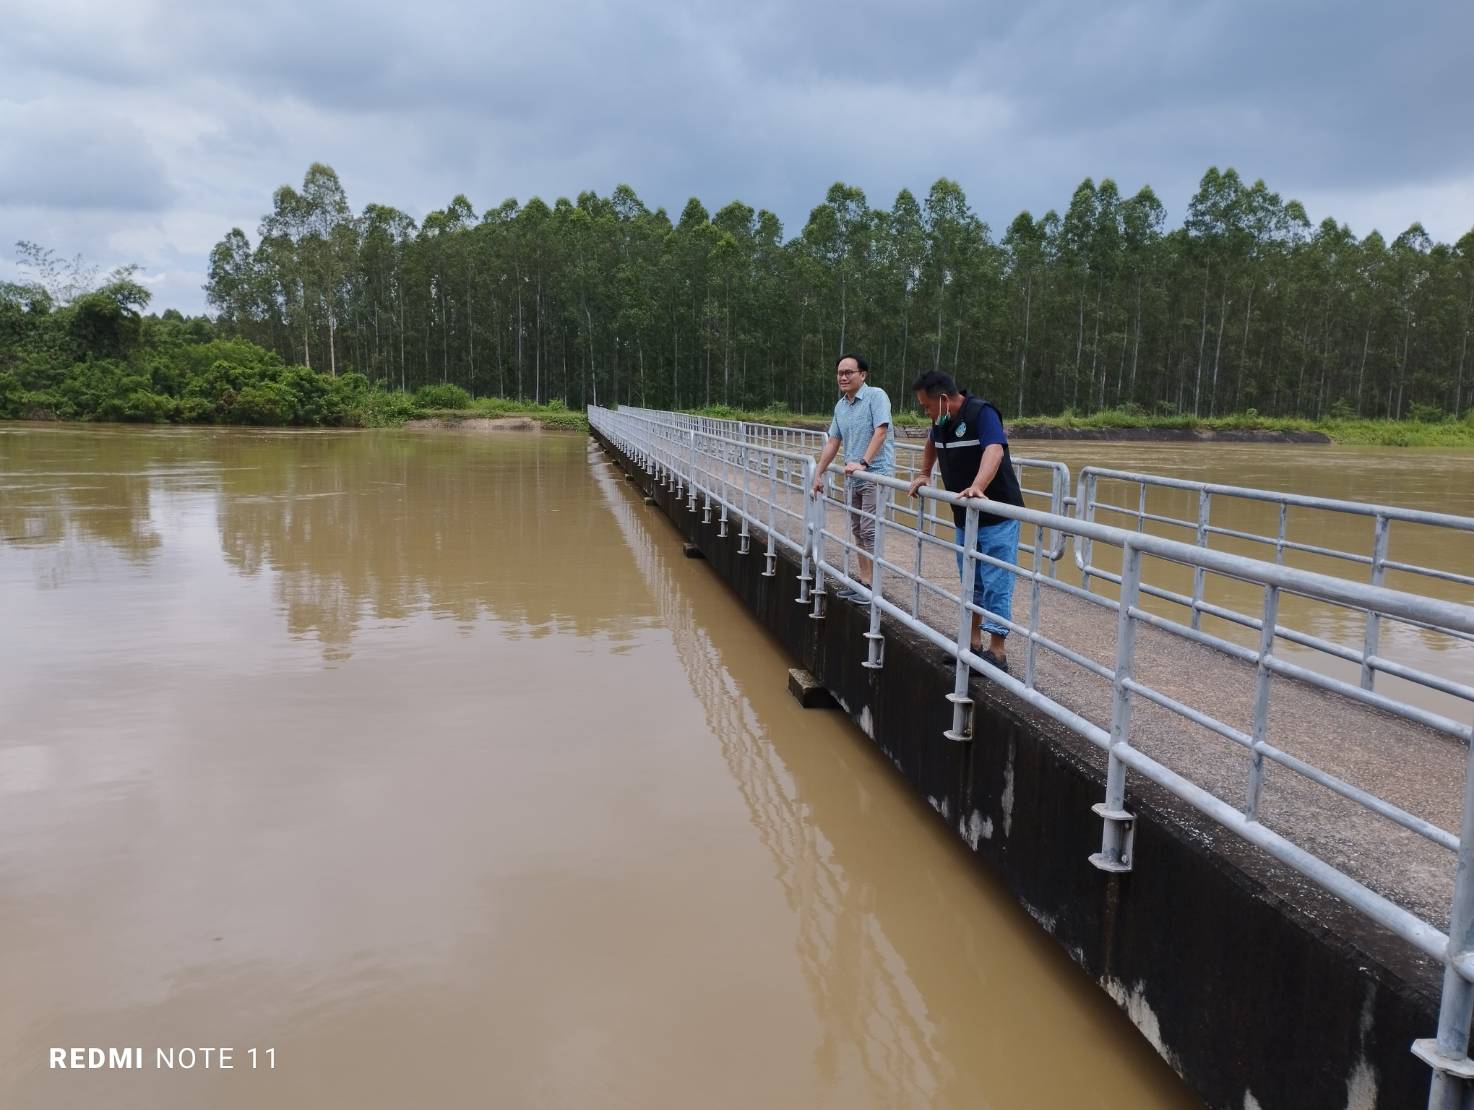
{"x": 1043, "y": 481}
{"x": 759, "y": 482}
{"x": 1089, "y": 505}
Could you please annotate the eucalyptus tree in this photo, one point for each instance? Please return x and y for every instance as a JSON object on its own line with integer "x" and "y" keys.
{"x": 326, "y": 245}
{"x": 771, "y": 279}
{"x": 955, "y": 238}
{"x": 384, "y": 237}
{"x": 533, "y": 225}
{"x": 899, "y": 262}
{"x": 604, "y": 299}
{"x": 692, "y": 240}
{"x": 279, "y": 247}
{"x": 230, "y": 285}
{"x": 733, "y": 262}
{"x": 1077, "y": 234}
{"x": 1213, "y": 228}
{"x": 1142, "y": 218}
{"x": 1464, "y": 286}
{"x": 1410, "y": 269}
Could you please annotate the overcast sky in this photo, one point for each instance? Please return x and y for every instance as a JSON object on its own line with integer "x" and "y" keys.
{"x": 143, "y": 130}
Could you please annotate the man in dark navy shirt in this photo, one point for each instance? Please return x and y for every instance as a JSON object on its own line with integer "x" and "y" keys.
{"x": 967, "y": 438}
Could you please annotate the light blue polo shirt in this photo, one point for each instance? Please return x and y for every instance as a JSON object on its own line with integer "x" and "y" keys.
{"x": 855, "y": 422}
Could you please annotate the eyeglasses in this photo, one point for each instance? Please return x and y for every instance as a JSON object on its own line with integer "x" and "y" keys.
{"x": 847, "y": 373}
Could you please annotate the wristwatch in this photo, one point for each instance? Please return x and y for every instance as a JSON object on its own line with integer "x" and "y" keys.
{"x": 865, "y": 463}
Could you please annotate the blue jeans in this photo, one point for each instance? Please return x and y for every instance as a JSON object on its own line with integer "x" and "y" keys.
{"x": 992, "y": 587}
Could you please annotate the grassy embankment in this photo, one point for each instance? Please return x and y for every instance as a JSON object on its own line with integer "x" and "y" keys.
{"x": 553, "y": 415}
{"x": 1352, "y": 432}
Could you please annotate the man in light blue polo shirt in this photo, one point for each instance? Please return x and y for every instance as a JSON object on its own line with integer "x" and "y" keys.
{"x": 862, "y": 426}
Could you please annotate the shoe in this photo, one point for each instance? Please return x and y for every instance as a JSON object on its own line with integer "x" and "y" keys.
{"x": 848, "y": 594}
{"x": 995, "y": 661}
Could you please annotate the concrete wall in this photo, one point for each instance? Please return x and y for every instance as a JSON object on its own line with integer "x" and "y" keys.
{"x": 1260, "y": 990}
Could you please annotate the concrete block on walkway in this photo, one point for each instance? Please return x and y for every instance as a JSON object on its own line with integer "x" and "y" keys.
{"x": 805, "y": 687}
{"x": 691, "y": 551}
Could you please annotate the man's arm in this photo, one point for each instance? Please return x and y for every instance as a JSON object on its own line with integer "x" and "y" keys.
{"x": 992, "y": 456}
{"x": 928, "y": 460}
{"x": 826, "y": 456}
{"x": 872, "y": 449}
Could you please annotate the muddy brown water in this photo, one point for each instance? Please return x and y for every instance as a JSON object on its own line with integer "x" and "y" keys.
{"x": 424, "y": 760}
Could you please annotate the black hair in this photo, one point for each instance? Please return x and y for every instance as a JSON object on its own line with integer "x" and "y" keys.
{"x": 859, "y": 362}
{"x": 935, "y": 383}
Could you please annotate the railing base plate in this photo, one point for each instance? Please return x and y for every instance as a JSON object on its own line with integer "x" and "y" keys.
{"x": 1426, "y": 1050}
{"x": 1127, "y": 823}
{"x": 1114, "y": 867}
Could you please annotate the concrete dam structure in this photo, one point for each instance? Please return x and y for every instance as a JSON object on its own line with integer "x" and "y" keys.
{"x": 1284, "y": 913}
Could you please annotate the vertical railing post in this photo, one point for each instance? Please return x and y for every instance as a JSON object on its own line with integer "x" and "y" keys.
{"x": 806, "y": 573}
{"x": 770, "y": 557}
{"x": 875, "y": 642}
{"x": 1262, "y": 677}
{"x": 1087, "y": 512}
{"x": 1374, "y": 619}
{"x": 690, "y": 476}
{"x": 744, "y": 537}
{"x": 1032, "y": 651}
{"x": 1119, "y": 831}
{"x": 962, "y": 704}
{"x": 1200, "y": 538}
{"x": 1059, "y": 490}
{"x": 818, "y": 520}
{"x": 1448, "y": 1053}
{"x": 1279, "y": 542}
{"x": 920, "y": 532}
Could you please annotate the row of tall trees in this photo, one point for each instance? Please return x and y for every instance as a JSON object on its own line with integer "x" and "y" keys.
{"x": 1246, "y": 305}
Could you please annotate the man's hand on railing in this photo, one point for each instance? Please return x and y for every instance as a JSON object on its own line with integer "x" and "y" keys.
{"x": 818, "y": 486}
{"x": 917, "y": 482}
{"x": 976, "y": 491}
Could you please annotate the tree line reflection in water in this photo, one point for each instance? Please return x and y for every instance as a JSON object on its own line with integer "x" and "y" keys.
{"x": 354, "y": 526}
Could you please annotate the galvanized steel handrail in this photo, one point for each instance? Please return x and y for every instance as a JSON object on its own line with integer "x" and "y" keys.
{"x": 908, "y": 457}
{"x": 701, "y": 461}
{"x": 1368, "y": 659}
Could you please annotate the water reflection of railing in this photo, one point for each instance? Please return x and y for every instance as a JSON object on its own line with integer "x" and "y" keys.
{"x": 845, "y": 961}
{"x": 716, "y": 467}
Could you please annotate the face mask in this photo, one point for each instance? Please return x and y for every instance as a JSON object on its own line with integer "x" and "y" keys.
{"x": 943, "y": 418}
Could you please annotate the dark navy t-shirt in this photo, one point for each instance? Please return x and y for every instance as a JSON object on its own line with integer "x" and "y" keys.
{"x": 960, "y": 443}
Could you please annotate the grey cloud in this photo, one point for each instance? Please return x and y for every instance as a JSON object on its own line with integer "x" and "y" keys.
{"x": 53, "y": 158}
{"x": 766, "y": 102}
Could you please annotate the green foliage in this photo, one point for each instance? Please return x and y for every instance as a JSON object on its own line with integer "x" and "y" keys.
{"x": 96, "y": 359}
{"x": 442, "y": 396}
{"x": 1420, "y": 413}
{"x": 12, "y": 394}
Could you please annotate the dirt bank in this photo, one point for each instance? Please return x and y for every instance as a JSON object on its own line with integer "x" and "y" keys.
{"x": 478, "y": 423}
{"x": 1140, "y": 435}
{"x": 1166, "y": 435}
